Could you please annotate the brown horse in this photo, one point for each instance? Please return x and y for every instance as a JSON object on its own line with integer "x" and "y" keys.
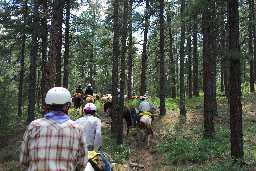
{"x": 77, "y": 99}
{"x": 127, "y": 118}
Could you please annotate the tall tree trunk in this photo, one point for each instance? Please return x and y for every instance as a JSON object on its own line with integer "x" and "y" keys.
{"x": 251, "y": 29}
{"x": 182, "y": 56}
{"x": 226, "y": 66}
{"x": 172, "y": 69}
{"x": 177, "y": 67}
{"x": 195, "y": 56}
{"x": 33, "y": 58}
{"x": 222, "y": 77}
{"x": 22, "y": 60}
{"x": 56, "y": 42}
{"x": 92, "y": 65}
{"x": 116, "y": 124}
{"x": 252, "y": 19}
{"x": 222, "y": 40}
{"x": 209, "y": 47}
{"x": 123, "y": 54}
{"x": 250, "y": 47}
{"x": 144, "y": 57}
{"x": 45, "y": 80}
{"x": 235, "y": 84}
{"x": 66, "y": 53}
{"x": 162, "y": 60}
{"x": 189, "y": 62}
{"x": 130, "y": 52}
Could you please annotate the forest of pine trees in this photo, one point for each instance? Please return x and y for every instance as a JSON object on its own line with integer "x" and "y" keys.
{"x": 174, "y": 51}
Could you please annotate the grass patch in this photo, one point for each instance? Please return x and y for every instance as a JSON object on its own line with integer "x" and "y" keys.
{"x": 194, "y": 102}
{"x": 119, "y": 153}
{"x": 179, "y": 149}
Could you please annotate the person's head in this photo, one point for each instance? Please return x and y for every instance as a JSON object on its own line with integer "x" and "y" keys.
{"x": 90, "y": 108}
{"x": 79, "y": 86}
{"x": 58, "y": 99}
{"x": 142, "y": 98}
{"x": 89, "y": 99}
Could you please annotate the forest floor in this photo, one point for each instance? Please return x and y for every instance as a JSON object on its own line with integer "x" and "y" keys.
{"x": 178, "y": 143}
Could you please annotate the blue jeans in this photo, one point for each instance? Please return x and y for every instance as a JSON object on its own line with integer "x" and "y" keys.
{"x": 135, "y": 117}
{"x": 107, "y": 164}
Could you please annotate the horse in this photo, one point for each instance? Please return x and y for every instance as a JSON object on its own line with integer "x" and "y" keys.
{"x": 126, "y": 116}
{"x": 77, "y": 99}
{"x": 145, "y": 125}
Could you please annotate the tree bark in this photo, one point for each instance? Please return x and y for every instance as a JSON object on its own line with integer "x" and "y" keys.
{"x": 172, "y": 69}
{"x": 45, "y": 80}
{"x": 66, "y": 53}
{"x": 226, "y": 66}
{"x": 162, "y": 60}
{"x": 189, "y": 62}
{"x": 251, "y": 30}
{"x": 123, "y": 57}
{"x": 116, "y": 123}
{"x": 182, "y": 56}
{"x": 236, "y": 128}
{"x": 130, "y": 52}
{"x": 22, "y": 60}
{"x": 33, "y": 58}
{"x": 56, "y": 42}
{"x": 222, "y": 77}
{"x": 209, "y": 47}
{"x": 222, "y": 40}
{"x": 144, "y": 57}
{"x": 195, "y": 57}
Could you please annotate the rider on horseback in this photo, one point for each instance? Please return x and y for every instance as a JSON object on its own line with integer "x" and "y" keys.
{"x": 145, "y": 113}
{"x": 91, "y": 126}
{"x": 79, "y": 89}
{"x": 89, "y": 90}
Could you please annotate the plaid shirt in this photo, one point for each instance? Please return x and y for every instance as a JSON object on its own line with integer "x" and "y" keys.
{"x": 50, "y": 146}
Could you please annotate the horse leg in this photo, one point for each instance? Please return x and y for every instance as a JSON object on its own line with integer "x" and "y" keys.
{"x": 125, "y": 127}
{"x": 149, "y": 139}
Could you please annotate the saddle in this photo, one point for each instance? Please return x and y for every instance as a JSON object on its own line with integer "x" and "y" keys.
{"x": 145, "y": 121}
{"x": 96, "y": 161}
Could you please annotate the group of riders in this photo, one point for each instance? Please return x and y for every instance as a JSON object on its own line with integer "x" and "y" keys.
{"x": 55, "y": 142}
{"x": 80, "y": 95}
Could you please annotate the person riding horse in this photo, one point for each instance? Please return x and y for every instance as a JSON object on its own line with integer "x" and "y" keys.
{"x": 145, "y": 116}
{"x": 79, "y": 89}
{"x": 89, "y": 90}
{"x": 78, "y": 97}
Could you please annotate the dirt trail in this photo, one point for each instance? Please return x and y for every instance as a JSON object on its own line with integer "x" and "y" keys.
{"x": 145, "y": 158}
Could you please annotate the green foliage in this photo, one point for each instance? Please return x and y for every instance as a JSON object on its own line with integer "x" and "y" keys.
{"x": 172, "y": 104}
{"x": 224, "y": 166}
{"x": 75, "y": 113}
{"x": 133, "y": 103}
{"x": 245, "y": 88}
{"x": 8, "y": 94}
{"x": 195, "y": 102}
{"x": 182, "y": 149}
{"x": 250, "y": 142}
{"x": 119, "y": 153}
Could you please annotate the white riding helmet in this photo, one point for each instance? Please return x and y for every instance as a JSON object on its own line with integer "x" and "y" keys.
{"x": 58, "y": 96}
{"x": 90, "y": 107}
{"x": 143, "y": 97}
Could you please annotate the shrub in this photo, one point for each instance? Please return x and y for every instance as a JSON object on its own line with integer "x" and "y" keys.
{"x": 181, "y": 149}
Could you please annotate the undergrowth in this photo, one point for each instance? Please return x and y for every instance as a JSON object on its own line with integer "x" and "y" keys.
{"x": 179, "y": 149}
{"x": 119, "y": 153}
